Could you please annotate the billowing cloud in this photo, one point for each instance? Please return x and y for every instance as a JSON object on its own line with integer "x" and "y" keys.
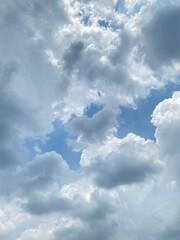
{"x": 161, "y": 37}
{"x": 72, "y": 55}
{"x": 95, "y": 129}
{"x": 130, "y": 161}
{"x": 166, "y": 117}
{"x": 58, "y": 60}
{"x": 43, "y": 206}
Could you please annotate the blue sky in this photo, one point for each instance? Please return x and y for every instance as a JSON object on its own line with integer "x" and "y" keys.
{"x": 135, "y": 120}
{"x": 138, "y": 120}
{"x": 89, "y": 120}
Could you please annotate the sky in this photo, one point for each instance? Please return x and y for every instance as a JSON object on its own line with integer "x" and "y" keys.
{"x": 89, "y": 120}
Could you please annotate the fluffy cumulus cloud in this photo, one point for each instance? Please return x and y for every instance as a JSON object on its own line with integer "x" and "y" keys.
{"x": 120, "y": 167}
{"x": 84, "y": 65}
{"x": 166, "y": 117}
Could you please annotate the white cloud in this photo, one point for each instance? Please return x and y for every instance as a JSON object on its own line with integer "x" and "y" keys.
{"x": 166, "y": 117}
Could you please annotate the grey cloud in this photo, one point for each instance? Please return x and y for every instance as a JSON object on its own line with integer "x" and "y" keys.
{"x": 119, "y": 170}
{"x": 162, "y": 37}
{"x": 52, "y": 11}
{"x": 113, "y": 77}
{"x": 23, "y": 25}
{"x": 36, "y": 177}
{"x": 171, "y": 232}
{"x": 72, "y": 55}
{"x": 99, "y": 208}
{"x": 6, "y": 73}
{"x": 41, "y": 172}
{"x": 96, "y": 230}
{"x": 96, "y": 71}
{"x": 132, "y": 160}
{"x": 170, "y": 229}
{"x": 44, "y": 16}
{"x": 40, "y": 206}
{"x": 121, "y": 53}
{"x": 25, "y": 73}
{"x": 18, "y": 118}
{"x": 95, "y": 128}
{"x": 13, "y": 114}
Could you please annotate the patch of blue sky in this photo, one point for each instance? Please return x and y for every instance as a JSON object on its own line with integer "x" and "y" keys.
{"x": 92, "y": 109}
{"x": 109, "y": 24}
{"x": 84, "y": 17}
{"x": 55, "y": 141}
{"x": 86, "y": 20}
{"x": 164, "y": 2}
{"x": 138, "y": 120}
{"x": 104, "y": 23}
{"x": 120, "y": 6}
{"x": 130, "y": 120}
{"x": 137, "y": 8}
{"x": 29, "y": 144}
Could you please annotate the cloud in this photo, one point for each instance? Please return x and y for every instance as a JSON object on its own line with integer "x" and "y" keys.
{"x": 39, "y": 206}
{"x": 102, "y": 230}
{"x": 129, "y": 162}
{"x": 171, "y": 232}
{"x": 166, "y": 117}
{"x": 27, "y": 30}
{"x": 93, "y": 129}
{"x": 40, "y": 173}
{"x": 72, "y": 55}
{"x": 161, "y": 37}
{"x": 53, "y": 65}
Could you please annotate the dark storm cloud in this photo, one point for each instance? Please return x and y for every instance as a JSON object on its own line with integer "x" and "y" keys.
{"x": 162, "y": 37}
